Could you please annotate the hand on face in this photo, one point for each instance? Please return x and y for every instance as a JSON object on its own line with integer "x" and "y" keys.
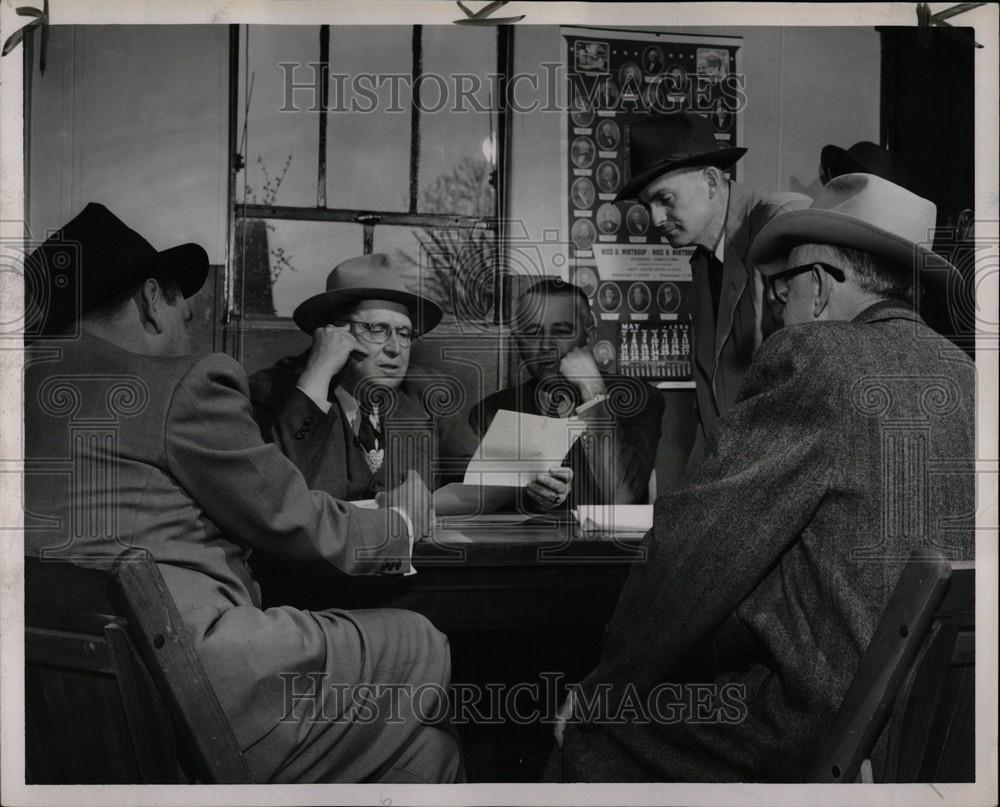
{"x": 551, "y": 489}
{"x": 332, "y": 346}
{"x": 580, "y": 368}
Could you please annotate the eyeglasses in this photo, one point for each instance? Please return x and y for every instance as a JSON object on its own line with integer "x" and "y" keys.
{"x": 378, "y": 333}
{"x": 778, "y": 284}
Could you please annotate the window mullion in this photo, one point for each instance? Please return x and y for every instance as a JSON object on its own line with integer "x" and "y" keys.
{"x": 324, "y": 104}
{"x": 416, "y": 72}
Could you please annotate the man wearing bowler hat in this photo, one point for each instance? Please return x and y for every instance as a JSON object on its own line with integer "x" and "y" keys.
{"x": 341, "y": 411}
{"x": 167, "y": 458}
{"x": 677, "y": 172}
{"x": 764, "y": 580}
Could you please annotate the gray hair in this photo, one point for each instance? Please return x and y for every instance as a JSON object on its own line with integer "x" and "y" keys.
{"x": 878, "y": 275}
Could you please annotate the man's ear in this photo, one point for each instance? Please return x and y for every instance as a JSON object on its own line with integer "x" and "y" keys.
{"x": 822, "y": 288}
{"x": 713, "y": 176}
{"x": 151, "y": 306}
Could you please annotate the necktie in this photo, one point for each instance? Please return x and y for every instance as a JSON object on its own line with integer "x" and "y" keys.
{"x": 713, "y": 269}
{"x": 370, "y": 437}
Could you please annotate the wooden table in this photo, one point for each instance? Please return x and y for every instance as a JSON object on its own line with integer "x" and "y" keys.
{"x": 519, "y": 599}
{"x": 486, "y": 573}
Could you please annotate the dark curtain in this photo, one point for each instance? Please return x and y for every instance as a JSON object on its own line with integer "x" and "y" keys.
{"x": 928, "y": 119}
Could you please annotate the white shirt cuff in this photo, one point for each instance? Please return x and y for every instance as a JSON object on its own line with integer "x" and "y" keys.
{"x": 409, "y": 531}
{"x": 590, "y": 404}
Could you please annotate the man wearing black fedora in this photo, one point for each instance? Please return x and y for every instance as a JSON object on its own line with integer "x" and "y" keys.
{"x": 864, "y": 157}
{"x": 851, "y": 444}
{"x": 339, "y": 410}
{"x": 677, "y": 171}
{"x": 166, "y": 457}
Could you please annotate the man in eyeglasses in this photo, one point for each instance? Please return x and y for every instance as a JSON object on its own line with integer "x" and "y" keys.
{"x": 338, "y": 411}
{"x": 851, "y": 444}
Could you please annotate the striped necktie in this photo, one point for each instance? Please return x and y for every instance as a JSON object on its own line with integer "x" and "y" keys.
{"x": 370, "y": 437}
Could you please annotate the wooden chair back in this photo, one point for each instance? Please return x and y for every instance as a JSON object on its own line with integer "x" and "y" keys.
{"x": 918, "y": 670}
{"x": 114, "y": 691}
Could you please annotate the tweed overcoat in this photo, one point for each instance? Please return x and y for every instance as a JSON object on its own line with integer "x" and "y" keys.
{"x": 850, "y": 445}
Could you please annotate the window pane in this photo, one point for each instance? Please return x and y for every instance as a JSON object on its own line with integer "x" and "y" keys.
{"x": 288, "y": 261}
{"x": 368, "y": 135}
{"x": 282, "y": 134}
{"x": 454, "y": 173}
{"x": 454, "y": 267}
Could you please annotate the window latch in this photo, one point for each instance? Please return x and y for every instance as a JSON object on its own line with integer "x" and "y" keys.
{"x": 368, "y": 218}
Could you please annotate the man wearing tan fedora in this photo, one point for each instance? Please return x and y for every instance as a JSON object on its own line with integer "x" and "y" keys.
{"x": 336, "y": 410}
{"x": 165, "y": 457}
{"x": 677, "y": 171}
{"x": 851, "y": 444}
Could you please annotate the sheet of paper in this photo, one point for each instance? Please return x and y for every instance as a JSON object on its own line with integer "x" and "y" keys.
{"x": 616, "y": 518}
{"x": 517, "y": 447}
{"x": 365, "y": 504}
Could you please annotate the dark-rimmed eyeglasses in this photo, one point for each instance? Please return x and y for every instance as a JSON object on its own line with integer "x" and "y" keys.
{"x": 777, "y": 284}
{"x": 378, "y": 333}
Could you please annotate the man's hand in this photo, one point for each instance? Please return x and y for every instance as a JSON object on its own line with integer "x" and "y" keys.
{"x": 551, "y": 489}
{"x": 580, "y": 369}
{"x": 413, "y": 498}
{"x": 332, "y": 346}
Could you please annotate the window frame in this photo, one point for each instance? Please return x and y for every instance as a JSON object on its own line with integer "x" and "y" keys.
{"x": 234, "y": 320}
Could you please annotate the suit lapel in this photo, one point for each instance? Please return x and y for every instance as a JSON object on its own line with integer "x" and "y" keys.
{"x": 704, "y": 317}
{"x": 343, "y": 443}
{"x": 734, "y": 274}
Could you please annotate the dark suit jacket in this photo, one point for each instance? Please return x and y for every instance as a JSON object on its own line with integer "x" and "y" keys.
{"x": 613, "y": 465}
{"x": 323, "y": 446}
{"x": 161, "y": 453}
{"x": 723, "y": 345}
{"x": 851, "y": 444}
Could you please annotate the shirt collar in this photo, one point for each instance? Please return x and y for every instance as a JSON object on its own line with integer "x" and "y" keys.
{"x": 720, "y": 248}
{"x": 348, "y": 403}
{"x": 352, "y": 408}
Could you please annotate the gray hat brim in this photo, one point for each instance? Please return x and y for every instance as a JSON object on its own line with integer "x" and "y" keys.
{"x": 320, "y": 309}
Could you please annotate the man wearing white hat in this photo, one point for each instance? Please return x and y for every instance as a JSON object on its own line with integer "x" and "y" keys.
{"x": 765, "y": 578}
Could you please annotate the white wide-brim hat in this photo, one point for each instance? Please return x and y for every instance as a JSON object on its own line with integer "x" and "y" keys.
{"x": 864, "y": 212}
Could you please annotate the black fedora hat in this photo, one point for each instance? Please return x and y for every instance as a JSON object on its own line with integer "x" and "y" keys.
{"x": 368, "y": 277}
{"x": 93, "y": 259}
{"x": 864, "y": 157}
{"x": 661, "y": 143}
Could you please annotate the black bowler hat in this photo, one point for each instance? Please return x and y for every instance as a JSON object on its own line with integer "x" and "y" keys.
{"x": 662, "y": 143}
{"x": 90, "y": 261}
{"x": 864, "y": 158}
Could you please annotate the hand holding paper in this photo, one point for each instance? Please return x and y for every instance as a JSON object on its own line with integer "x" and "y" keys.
{"x": 551, "y": 489}
{"x": 518, "y": 447}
